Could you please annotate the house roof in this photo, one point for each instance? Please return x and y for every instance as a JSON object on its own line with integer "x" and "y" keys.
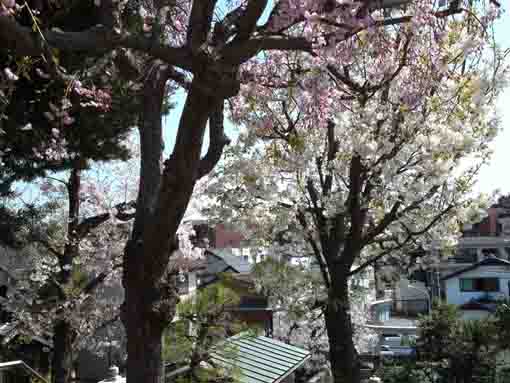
{"x": 259, "y": 359}
{"x": 238, "y": 264}
{"x": 254, "y": 359}
{"x": 489, "y": 261}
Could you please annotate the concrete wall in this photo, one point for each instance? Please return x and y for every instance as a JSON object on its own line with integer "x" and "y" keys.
{"x": 457, "y": 297}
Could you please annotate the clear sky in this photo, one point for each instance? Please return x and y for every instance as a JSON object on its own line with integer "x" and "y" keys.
{"x": 495, "y": 175}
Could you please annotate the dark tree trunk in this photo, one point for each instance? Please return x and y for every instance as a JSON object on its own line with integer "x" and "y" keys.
{"x": 345, "y": 366}
{"x": 144, "y": 332}
{"x": 63, "y": 333}
{"x": 162, "y": 200}
{"x": 144, "y": 327}
{"x": 62, "y": 361}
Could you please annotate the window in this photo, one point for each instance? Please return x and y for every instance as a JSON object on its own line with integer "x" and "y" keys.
{"x": 467, "y": 285}
{"x": 479, "y": 284}
{"x": 490, "y": 253}
{"x": 466, "y": 255}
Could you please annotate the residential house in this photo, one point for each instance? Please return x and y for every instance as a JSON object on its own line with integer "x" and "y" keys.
{"x": 478, "y": 288}
{"x": 476, "y": 274}
{"x": 219, "y": 236}
{"x": 222, "y": 266}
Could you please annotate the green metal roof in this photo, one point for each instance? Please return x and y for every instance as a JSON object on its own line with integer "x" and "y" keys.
{"x": 258, "y": 359}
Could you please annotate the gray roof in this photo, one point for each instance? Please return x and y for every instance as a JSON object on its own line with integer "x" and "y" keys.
{"x": 238, "y": 264}
{"x": 259, "y": 359}
{"x": 489, "y": 261}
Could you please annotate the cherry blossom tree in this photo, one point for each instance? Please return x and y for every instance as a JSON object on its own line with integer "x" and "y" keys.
{"x": 70, "y": 288}
{"x": 207, "y": 48}
{"x": 366, "y": 152}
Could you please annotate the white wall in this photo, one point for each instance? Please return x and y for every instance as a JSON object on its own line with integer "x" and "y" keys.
{"x": 474, "y": 314}
{"x": 455, "y": 296}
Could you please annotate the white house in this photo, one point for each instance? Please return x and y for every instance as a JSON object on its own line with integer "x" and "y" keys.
{"x": 476, "y": 289}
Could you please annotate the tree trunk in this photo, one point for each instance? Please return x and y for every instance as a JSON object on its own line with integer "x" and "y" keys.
{"x": 345, "y": 366}
{"x": 63, "y": 333}
{"x": 149, "y": 308}
{"x": 163, "y": 196}
{"x": 144, "y": 347}
{"x": 62, "y": 361}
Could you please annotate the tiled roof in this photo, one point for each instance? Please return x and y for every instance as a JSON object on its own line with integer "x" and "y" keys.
{"x": 253, "y": 359}
{"x": 259, "y": 359}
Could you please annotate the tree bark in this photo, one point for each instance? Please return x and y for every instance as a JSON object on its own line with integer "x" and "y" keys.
{"x": 143, "y": 323}
{"x": 62, "y": 361}
{"x": 144, "y": 329}
{"x": 345, "y": 366}
{"x": 63, "y": 333}
{"x": 163, "y": 198}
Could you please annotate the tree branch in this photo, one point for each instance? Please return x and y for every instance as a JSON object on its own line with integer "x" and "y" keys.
{"x": 241, "y": 51}
{"x": 410, "y": 235}
{"x": 354, "y": 201}
{"x": 316, "y": 250}
{"x": 332, "y": 150}
{"x": 98, "y": 279}
{"x": 94, "y": 40}
{"x": 90, "y": 223}
{"x": 383, "y": 224}
{"x": 217, "y": 142}
{"x": 248, "y": 20}
{"x": 199, "y": 23}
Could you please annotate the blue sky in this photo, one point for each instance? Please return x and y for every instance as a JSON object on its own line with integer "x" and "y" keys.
{"x": 494, "y": 176}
